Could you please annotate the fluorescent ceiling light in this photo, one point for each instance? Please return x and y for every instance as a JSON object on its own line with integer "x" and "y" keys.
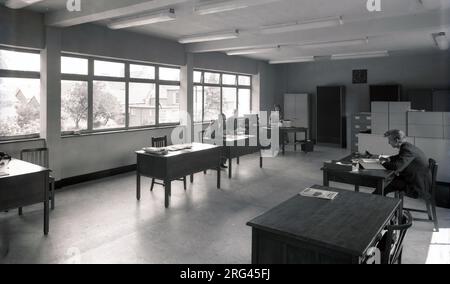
{"x": 253, "y": 51}
{"x": 298, "y": 26}
{"x": 373, "y": 54}
{"x": 228, "y": 5}
{"x": 146, "y": 19}
{"x": 441, "y": 41}
{"x": 209, "y": 37}
{"x": 293, "y": 60}
{"x": 336, "y": 43}
{"x": 17, "y": 4}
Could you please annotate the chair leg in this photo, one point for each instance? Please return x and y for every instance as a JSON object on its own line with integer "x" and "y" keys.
{"x": 53, "y": 195}
{"x": 433, "y": 208}
{"x": 428, "y": 204}
{"x": 153, "y": 184}
{"x": 205, "y": 172}
{"x": 399, "y": 261}
{"x": 20, "y": 211}
{"x": 185, "y": 183}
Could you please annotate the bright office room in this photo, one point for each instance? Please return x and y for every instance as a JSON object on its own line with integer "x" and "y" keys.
{"x": 224, "y": 131}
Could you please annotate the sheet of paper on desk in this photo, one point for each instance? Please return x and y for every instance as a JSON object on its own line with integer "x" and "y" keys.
{"x": 371, "y": 164}
{"x": 318, "y": 193}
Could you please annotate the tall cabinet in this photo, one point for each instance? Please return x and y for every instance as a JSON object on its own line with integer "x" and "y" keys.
{"x": 331, "y": 120}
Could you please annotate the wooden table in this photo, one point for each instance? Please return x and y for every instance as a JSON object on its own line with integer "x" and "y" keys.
{"x": 284, "y": 131}
{"x": 305, "y": 230}
{"x": 378, "y": 179}
{"x": 236, "y": 146}
{"x": 26, "y": 184}
{"x": 176, "y": 165}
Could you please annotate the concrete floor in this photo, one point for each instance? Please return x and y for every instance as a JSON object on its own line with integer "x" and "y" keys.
{"x": 101, "y": 221}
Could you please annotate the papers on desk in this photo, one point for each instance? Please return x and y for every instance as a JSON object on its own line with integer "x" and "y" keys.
{"x": 319, "y": 193}
{"x": 166, "y": 150}
{"x": 371, "y": 164}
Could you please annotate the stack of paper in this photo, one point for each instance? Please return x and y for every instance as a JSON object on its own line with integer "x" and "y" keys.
{"x": 319, "y": 193}
{"x": 156, "y": 151}
{"x": 179, "y": 147}
{"x": 371, "y": 164}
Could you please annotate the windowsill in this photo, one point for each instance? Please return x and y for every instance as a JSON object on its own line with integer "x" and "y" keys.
{"x": 21, "y": 140}
{"x": 117, "y": 131}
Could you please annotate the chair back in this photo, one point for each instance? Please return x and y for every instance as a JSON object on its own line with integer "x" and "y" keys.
{"x": 159, "y": 141}
{"x": 434, "y": 170}
{"x": 37, "y": 156}
{"x": 392, "y": 245}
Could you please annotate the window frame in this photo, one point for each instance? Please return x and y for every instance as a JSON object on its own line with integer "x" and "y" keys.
{"x": 17, "y": 74}
{"x": 127, "y": 79}
{"x": 202, "y": 84}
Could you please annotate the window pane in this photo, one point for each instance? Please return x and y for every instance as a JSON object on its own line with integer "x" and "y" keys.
{"x": 109, "y": 105}
{"x": 212, "y": 78}
{"x": 198, "y": 104}
{"x": 169, "y": 101}
{"x": 74, "y": 105}
{"x": 228, "y": 79}
{"x": 20, "y": 61}
{"x": 229, "y": 101}
{"x": 19, "y": 106}
{"x": 72, "y": 65}
{"x": 169, "y": 74}
{"x": 245, "y": 80}
{"x": 142, "y": 108}
{"x": 109, "y": 69}
{"x": 244, "y": 102}
{"x": 197, "y": 77}
{"x": 212, "y": 103}
{"x": 142, "y": 72}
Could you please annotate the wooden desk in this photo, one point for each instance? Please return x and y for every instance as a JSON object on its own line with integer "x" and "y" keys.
{"x": 284, "y": 131}
{"x": 236, "y": 146}
{"x": 378, "y": 179}
{"x": 26, "y": 184}
{"x": 305, "y": 230}
{"x": 176, "y": 165}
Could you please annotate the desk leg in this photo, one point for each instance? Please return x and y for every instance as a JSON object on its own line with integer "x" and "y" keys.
{"x": 326, "y": 182}
{"x": 380, "y": 186}
{"x": 167, "y": 189}
{"x": 46, "y": 207}
{"x": 295, "y": 141}
{"x": 237, "y": 160}
{"x": 230, "y": 167}
{"x": 192, "y": 178}
{"x": 260, "y": 160}
{"x": 218, "y": 177}
{"x": 283, "y": 146}
{"x": 138, "y": 185}
{"x": 356, "y": 188}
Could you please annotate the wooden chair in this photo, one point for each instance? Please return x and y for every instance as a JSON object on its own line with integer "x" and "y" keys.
{"x": 391, "y": 245}
{"x": 39, "y": 156}
{"x": 430, "y": 202}
{"x": 162, "y": 142}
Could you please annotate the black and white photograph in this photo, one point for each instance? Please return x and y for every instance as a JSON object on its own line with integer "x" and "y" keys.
{"x": 224, "y": 137}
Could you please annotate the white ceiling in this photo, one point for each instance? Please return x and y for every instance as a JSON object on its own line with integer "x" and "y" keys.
{"x": 402, "y": 26}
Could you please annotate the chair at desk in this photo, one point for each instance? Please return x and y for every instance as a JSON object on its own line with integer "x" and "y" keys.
{"x": 162, "y": 142}
{"x": 39, "y": 156}
{"x": 391, "y": 245}
{"x": 430, "y": 203}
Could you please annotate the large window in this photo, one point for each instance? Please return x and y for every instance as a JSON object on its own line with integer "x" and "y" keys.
{"x": 19, "y": 94}
{"x": 104, "y": 95}
{"x": 216, "y": 93}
